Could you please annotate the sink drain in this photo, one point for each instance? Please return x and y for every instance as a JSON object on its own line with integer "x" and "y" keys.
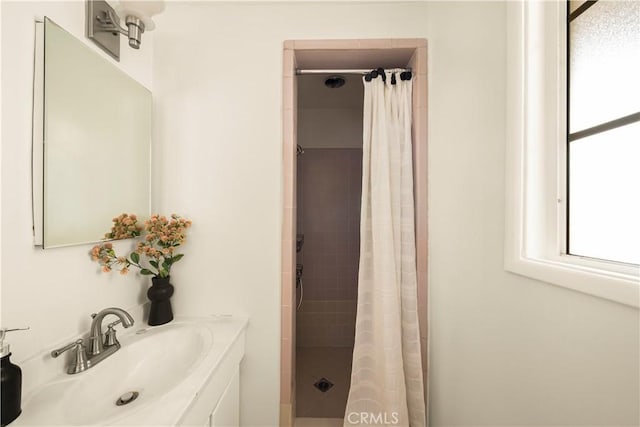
{"x": 127, "y": 398}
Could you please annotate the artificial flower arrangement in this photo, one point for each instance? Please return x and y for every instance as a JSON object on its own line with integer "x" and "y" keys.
{"x": 162, "y": 237}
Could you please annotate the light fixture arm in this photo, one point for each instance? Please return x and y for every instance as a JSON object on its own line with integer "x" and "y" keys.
{"x": 109, "y": 21}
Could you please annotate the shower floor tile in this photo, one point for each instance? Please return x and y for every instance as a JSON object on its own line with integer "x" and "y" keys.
{"x": 313, "y": 364}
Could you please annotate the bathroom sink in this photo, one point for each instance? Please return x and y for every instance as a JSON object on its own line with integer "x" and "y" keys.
{"x": 156, "y": 371}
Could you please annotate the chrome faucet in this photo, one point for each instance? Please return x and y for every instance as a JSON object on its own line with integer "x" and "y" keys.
{"x": 96, "y": 337}
{"x": 99, "y": 350}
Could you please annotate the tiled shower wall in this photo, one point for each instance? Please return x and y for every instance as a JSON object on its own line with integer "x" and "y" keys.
{"x": 329, "y": 190}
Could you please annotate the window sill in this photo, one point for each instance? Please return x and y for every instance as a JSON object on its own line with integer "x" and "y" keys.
{"x": 622, "y": 288}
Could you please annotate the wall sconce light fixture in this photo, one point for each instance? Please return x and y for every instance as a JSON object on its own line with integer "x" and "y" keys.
{"x": 103, "y": 22}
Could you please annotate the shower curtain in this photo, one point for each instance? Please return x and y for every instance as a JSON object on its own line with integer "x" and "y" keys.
{"x": 386, "y": 379}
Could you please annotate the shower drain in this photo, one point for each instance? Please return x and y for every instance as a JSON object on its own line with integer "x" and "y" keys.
{"x": 323, "y": 385}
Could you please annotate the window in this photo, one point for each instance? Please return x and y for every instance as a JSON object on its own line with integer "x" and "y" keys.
{"x": 571, "y": 185}
{"x": 603, "y": 139}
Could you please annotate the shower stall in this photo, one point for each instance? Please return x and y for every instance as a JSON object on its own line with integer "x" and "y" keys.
{"x": 329, "y": 174}
{"x": 321, "y": 218}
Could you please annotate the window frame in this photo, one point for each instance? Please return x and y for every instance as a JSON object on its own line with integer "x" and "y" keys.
{"x": 536, "y": 161}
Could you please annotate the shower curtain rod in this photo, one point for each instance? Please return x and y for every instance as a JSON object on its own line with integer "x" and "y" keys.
{"x": 302, "y": 71}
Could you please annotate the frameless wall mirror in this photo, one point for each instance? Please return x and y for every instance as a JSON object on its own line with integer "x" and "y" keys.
{"x": 92, "y": 141}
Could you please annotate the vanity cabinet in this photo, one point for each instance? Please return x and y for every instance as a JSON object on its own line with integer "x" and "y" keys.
{"x": 217, "y": 404}
{"x": 227, "y": 412}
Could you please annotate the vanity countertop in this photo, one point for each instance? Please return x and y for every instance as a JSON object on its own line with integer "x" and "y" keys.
{"x": 168, "y": 366}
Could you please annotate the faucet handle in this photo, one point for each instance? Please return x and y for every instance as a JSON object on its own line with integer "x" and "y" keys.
{"x": 80, "y": 363}
{"x": 110, "y": 336}
{"x": 59, "y": 351}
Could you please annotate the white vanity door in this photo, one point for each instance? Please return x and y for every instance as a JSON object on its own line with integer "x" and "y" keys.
{"x": 227, "y": 412}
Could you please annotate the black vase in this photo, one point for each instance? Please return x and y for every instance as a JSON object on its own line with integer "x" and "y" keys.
{"x": 160, "y": 295}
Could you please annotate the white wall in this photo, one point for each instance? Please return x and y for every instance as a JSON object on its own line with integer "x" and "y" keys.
{"x": 53, "y": 290}
{"x": 505, "y": 350}
{"x": 330, "y": 117}
{"x": 218, "y": 85}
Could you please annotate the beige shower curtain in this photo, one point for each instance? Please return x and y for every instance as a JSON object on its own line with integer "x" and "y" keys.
{"x": 386, "y": 380}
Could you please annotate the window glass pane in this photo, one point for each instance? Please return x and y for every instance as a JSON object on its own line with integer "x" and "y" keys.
{"x": 604, "y": 198}
{"x": 604, "y": 63}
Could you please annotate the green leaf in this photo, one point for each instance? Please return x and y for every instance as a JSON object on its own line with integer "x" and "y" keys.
{"x": 135, "y": 257}
{"x": 166, "y": 264}
{"x": 177, "y": 258}
{"x": 154, "y": 263}
{"x": 146, "y": 272}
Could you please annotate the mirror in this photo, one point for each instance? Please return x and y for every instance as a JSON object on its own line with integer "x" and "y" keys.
{"x": 92, "y": 141}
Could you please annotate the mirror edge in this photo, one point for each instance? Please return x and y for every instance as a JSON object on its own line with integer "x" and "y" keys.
{"x": 37, "y": 138}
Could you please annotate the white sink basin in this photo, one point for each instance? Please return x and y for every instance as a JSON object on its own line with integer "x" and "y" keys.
{"x": 166, "y": 365}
